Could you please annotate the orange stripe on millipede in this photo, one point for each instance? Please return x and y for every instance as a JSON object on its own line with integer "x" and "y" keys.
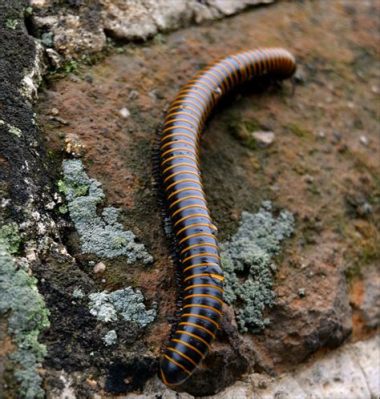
{"x": 200, "y": 339}
{"x": 204, "y": 215}
{"x": 175, "y": 142}
{"x": 200, "y": 265}
{"x": 208, "y": 235}
{"x": 202, "y": 244}
{"x": 177, "y": 364}
{"x": 190, "y": 287}
{"x": 186, "y": 198}
{"x": 203, "y": 254}
{"x": 200, "y": 316}
{"x": 189, "y": 359}
{"x": 216, "y": 276}
{"x": 188, "y": 345}
{"x": 195, "y": 305}
{"x": 204, "y": 296}
{"x": 189, "y": 207}
{"x": 188, "y": 323}
{"x": 176, "y": 157}
{"x": 180, "y": 164}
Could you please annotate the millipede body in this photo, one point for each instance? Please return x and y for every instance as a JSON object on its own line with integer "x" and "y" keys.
{"x": 196, "y": 244}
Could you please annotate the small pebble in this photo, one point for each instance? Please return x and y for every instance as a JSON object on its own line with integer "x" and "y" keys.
{"x": 321, "y": 134}
{"x": 301, "y": 292}
{"x": 54, "y": 111}
{"x": 364, "y": 140}
{"x": 263, "y": 138}
{"x": 124, "y": 112}
{"x": 99, "y": 267}
{"x": 308, "y": 179}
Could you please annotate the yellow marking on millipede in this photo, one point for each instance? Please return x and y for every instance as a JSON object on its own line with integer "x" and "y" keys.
{"x": 243, "y": 69}
{"x": 175, "y": 120}
{"x": 195, "y": 305}
{"x": 229, "y": 73}
{"x": 169, "y": 115}
{"x": 234, "y": 70}
{"x": 199, "y": 265}
{"x": 175, "y": 142}
{"x": 193, "y": 225}
{"x": 188, "y": 323}
{"x": 189, "y": 207}
{"x": 190, "y": 287}
{"x": 182, "y": 181}
{"x": 183, "y": 172}
{"x": 189, "y": 359}
{"x": 192, "y": 151}
{"x": 164, "y": 378}
{"x": 188, "y": 345}
{"x": 200, "y": 339}
{"x": 168, "y": 129}
{"x": 194, "y": 166}
{"x": 204, "y": 296}
{"x": 196, "y": 81}
{"x": 196, "y": 235}
{"x": 187, "y": 198}
{"x": 177, "y": 157}
{"x": 204, "y": 215}
{"x": 178, "y": 364}
{"x": 185, "y": 102}
{"x": 200, "y": 316}
{"x": 202, "y": 244}
{"x": 182, "y": 96}
{"x": 195, "y": 86}
{"x": 200, "y": 256}
{"x": 214, "y": 276}
{"x": 181, "y": 134}
{"x": 182, "y": 107}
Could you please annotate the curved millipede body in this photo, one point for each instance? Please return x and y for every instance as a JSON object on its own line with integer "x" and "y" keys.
{"x": 197, "y": 246}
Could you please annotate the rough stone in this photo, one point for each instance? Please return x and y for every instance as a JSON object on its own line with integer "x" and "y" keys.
{"x": 335, "y": 376}
{"x": 371, "y": 300}
{"x": 84, "y": 27}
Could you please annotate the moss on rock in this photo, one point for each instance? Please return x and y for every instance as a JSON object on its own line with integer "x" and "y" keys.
{"x": 248, "y": 266}
{"x": 10, "y": 238}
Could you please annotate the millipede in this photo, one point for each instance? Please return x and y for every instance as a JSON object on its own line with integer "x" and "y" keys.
{"x": 194, "y": 232}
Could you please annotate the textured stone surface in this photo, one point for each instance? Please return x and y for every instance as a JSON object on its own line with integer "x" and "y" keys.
{"x": 351, "y": 372}
{"x": 81, "y": 27}
{"x": 319, "y": 167}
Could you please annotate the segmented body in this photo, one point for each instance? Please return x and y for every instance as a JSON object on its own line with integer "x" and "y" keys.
{"x": 197, "y": 245}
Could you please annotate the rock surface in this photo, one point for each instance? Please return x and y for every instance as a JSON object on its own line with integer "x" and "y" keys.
{"x": 350, "y": 372}
{"x": 79, "y": 28}
{"x": 317, "y": 168}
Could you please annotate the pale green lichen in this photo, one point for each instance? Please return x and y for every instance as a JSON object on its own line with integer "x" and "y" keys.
{"x": 11, "y": 129}
{"x": 248, "y": 266}
{"x": 110, "y": 338}
{"x": 27, "y": 316}
{"x": 10, "y": 238}
{"x": 126, "y": 303}
{"x": 101, "y": 235}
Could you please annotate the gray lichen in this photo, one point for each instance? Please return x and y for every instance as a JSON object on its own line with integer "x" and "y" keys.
{"x": 27, "y": 317}
{"x": 12, "y": 129}
{"x": 110, "y": 338}
{"x": 125, "y": 303}
{"x": 100, "y": 235}
{"x": 248, "y": 266}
